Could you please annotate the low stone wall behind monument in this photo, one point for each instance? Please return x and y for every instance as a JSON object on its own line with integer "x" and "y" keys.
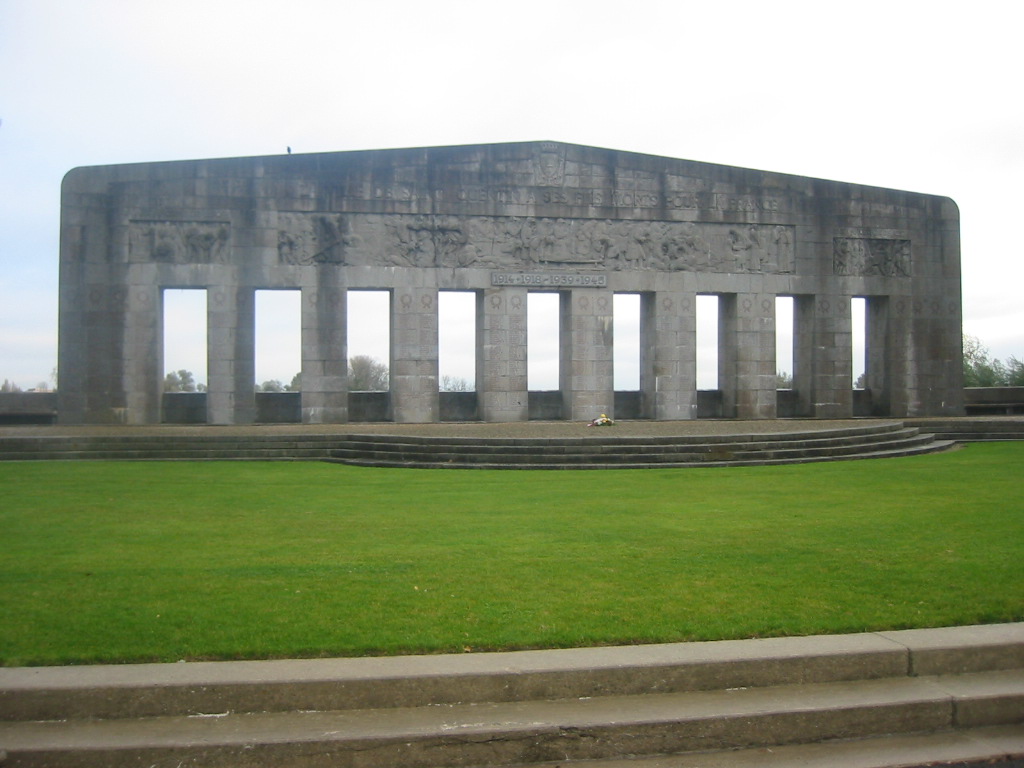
{"x": 28, "y": 407}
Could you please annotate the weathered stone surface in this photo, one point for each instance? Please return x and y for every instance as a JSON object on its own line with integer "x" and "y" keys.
{"x": 502, "y": 220}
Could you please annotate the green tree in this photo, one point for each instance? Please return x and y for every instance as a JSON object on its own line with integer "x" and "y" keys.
{"x": 783, "y": 380}
{"x": 9, "y": 386}
{"x": 180, "y": 381}
{"x": 1015, "y": 372}
{"x": 296, "y": 385}
{"x": 271, "y": 385}
{"x": 980, "y": 370}
{"x": 367, "y": 374}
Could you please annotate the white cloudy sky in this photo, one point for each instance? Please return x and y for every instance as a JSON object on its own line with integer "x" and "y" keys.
{"x": 921, "y": 96}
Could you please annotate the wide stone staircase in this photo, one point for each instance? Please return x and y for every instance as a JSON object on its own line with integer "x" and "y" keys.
{"x": 876, "y": 700}
{"x": 601, "y": 448}
{"x": 606, "y": 450}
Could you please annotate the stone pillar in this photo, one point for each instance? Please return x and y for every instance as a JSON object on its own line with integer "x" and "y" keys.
{"x": 878, "y": 368}
{"x": 501, "y": 355}
{"x": 413, "y": 372}
{"x": 924, "y": 371}
{"x": 143, "y": 354}
{"x": 899, "y": 355}
{"x": 325, "y": 351}
{"x": 746, "y": 356}
{"x": 231, "y": 354}
{"x": 77, "y": 299}
{"x": 824, "y": 352}
{"x": 586, "y": 353}
{"x": 668, "y": 354}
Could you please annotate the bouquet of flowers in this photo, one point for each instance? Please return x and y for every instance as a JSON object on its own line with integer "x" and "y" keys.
{"x": 601, "y": 421}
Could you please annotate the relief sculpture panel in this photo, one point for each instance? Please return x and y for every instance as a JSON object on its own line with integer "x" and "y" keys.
{"x": 178, "y": 242}
{"x": 867, "y": 257}
{"x": 534, "y": 243}
{"x": 313, "y": 239}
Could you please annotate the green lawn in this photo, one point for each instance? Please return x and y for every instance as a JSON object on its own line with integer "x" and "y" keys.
{"x": 106, "y": 561}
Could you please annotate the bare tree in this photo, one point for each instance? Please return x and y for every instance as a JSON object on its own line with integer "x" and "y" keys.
{"x": 454, "y": 384}
{"x": 367, "y": 374}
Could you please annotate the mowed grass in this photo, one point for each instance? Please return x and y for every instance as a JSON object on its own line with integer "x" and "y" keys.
{"x": 105, "y": 561}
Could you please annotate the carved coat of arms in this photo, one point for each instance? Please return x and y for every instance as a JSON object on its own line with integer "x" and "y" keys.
{"x": 550, "y": 165}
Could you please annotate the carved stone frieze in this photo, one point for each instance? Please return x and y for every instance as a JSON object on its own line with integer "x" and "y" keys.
{"x": 305, "y": 239}
{"x": 532, "y": 243}
{"x": 178, "y": 242}
{"x": 867, "y": 257}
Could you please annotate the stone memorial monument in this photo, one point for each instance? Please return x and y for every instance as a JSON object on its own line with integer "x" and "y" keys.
{"x": 501, "y": 221}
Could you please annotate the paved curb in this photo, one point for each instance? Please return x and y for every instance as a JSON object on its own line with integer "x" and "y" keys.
{"x": 189, "y": 688}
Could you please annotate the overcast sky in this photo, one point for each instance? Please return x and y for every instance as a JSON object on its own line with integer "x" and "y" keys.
{"x": 919, "y": 96}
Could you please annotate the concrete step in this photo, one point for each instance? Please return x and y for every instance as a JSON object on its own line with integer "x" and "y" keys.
{"x": 559, "y": 448}
{"x": 608, "y": 443}
{"x": 994, "y": 747}
{"x": 397, "y": 455}
{"x": 508, "y": 733}
{"x": 524, "y": 708}
{"x": 609, "y": 437}
{"x": 973, "y": 429}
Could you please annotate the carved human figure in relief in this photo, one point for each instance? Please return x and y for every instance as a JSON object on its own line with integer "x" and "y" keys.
{"x": 177, "y": 242}
{"x": 634, "y": 253}
{"x": 746, "y": 244}
{"x": 412, "y": 241}
{"x": 450, "y": 240}
{"x": 165, "y": 245}
{"x": 305, "y": 240}
{"x": 889, "y": 258}
{"x": 604, "y": 241}
{"x": 779, "y": 251}
{"x": 583, "y": 241}
{"x": 870, "y": 256}
{"x": 899, "y": 265}
{"x": 513, "y": 247}
{"x": 480, "y": 248}
{"x": 545, "y": 244}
